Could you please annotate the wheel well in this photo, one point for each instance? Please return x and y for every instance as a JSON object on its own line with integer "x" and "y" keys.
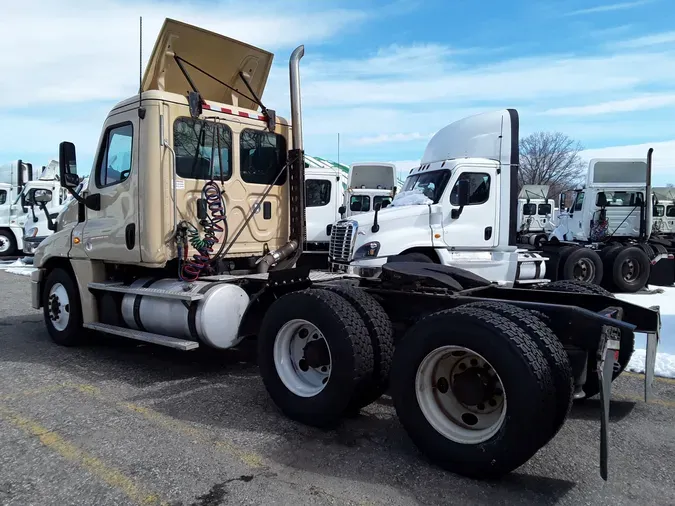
{"x": 55, "y": 263}
{"x": 430, "y": 252}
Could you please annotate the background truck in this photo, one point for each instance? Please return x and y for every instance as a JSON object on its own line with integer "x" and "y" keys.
{"x": 536, "y": 214}
{"x": 663, "y": 212}
{"x": 478, "y": 235}
{"x": 607, "y": 235}
{"x": 370, "y": 184}
{"x": 188, "y": 232}
{"x": 16, "y": 214}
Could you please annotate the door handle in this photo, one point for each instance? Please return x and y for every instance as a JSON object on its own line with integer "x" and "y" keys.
{"x": 488, "y": 233}
{"x": 130, "y": 235}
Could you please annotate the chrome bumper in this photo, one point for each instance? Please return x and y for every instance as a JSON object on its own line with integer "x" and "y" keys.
{"x": 35, "y": 288}
{"x": 358, "y": 270}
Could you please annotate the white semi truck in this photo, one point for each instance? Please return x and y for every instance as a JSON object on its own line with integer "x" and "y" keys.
{"x": 607, "y": 236}
{"x": 17, "y": 213}
{"x": 536, "y": 214}
{"x": 189, "y": 228}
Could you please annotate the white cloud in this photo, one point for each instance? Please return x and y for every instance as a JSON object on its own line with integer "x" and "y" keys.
{"x": 640, "y": 103}
{"x": 647, "y": 40}
{"x": 610, "y": 7}
{"x": 398, "y": 137}
{"x": 72, "y": 51}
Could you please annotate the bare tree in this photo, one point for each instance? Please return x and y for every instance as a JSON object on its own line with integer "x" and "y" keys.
{"x": 550, "y": 158}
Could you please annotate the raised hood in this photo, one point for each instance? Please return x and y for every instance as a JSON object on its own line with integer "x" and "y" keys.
{"x": 534, "y": 191}
{"x": 372, "y": 175}
{"x": 215, "y": 54}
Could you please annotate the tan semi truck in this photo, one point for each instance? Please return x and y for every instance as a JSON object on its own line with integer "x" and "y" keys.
{"x": 187, "y": 235}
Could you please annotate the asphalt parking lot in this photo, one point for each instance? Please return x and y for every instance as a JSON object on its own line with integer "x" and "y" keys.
{"x": 117, "y": 423}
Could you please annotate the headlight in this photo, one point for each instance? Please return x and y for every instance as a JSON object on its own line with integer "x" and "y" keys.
{"x": 368, "y": 250}
{"x": 31, "y": 232}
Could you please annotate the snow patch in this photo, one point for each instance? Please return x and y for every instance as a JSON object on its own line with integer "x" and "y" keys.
{"x": 411, "y": 198}
{"x": 665, "y": 364}
{"x": 17, "y": 267}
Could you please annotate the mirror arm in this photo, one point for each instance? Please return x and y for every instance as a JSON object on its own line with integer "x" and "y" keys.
{"x": 92, "y": 202}
{"x": 51, "y": 225}
{"x": 456, "y": 213}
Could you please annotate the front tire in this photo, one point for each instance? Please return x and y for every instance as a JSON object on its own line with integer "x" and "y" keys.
{"x": 7, "y": 244}
{"x": 62, "y": 309}
{"x": 482, "y": 432}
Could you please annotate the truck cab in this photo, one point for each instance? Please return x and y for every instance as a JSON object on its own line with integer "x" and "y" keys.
{"x": 16, "y": 214}
{"x": 611, "y": 203}
{"x": 324, "y": 189}
{"x": 664, "y": 211}
{"x": 536, "y": 213}
{"x": 457, "y": 208}
{"x": 370, "y": 184}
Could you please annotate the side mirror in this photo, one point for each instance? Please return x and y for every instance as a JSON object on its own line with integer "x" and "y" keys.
{"x": 42, "y": 196}
{"x": 68, "y": 165}
{"x": 342, "y": 210}
{"x": 463, "y": 194}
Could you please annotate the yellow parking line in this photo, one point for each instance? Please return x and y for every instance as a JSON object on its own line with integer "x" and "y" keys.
{"x": 251, "y": 459}
{"x": 95, "y": 466}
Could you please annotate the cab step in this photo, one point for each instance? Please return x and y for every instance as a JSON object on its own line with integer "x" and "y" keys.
{"x": 170, "y": 342}
{"x": 114, "y": 286}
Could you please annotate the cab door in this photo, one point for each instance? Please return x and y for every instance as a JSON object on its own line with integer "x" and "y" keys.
{"x": 111, "y": 233}
{"x": 477, "y": 225}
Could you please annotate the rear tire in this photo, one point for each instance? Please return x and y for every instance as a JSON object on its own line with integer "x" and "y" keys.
{"x": 428, "y": 406}
{"x": 62, "y": 309}
{"x": 629, "y": 269}
{"x": 553, "y": 351}
{"x": 307, "y": 384}
{"x": 584, "y": 265}
{"x": 592, "y": 385}
{"x": 381, "y": 339}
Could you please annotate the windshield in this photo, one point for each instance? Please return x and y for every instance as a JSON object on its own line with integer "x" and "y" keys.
{"x": 659, "y": 210}
{"x": 431, "y": 184}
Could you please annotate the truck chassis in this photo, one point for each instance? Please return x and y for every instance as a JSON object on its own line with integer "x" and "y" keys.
{"x": 330, "y": 344}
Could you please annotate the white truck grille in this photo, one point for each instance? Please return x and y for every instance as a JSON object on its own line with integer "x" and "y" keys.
{"x": 342, "y": 241}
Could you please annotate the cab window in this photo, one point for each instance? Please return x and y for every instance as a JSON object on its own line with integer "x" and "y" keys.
{"x": 360, "y": 203}
{"x": 529, "y": 209}
{"x": 544, "y": 209}
{"x": 670, "y": 212}
{"x": 262, "y": 157}
{"x": 317, "y": 192}
{"x": 197, "y": 144}
{"x": 382, "y": 200}
{"x": 114, "y": 160}
{"x": 579, "y": 202}
{"x": 3, "y": 196}
{"x": 659, "y": 211}
{"x": 479, "y": 188}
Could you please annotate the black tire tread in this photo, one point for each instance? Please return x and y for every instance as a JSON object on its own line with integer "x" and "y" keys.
{"x": 574, "y": 286}
{"x": 537, "y": 364}
{"x": 381, "y": 338}
{"x": 361, "y": 349}
{"x": 74, "y": 334}
{"x": 552, "y": 349}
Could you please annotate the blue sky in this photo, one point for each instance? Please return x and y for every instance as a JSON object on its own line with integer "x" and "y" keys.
{"x": 384, "y": 74}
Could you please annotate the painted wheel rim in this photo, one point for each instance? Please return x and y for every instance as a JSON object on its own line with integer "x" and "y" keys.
{"x": 4, "y": 244}
{"x": 450, "y": 411}
{"x": 584, "y": 270}
{"x": 58, "y": 307}
{"x": 302, "y": 358}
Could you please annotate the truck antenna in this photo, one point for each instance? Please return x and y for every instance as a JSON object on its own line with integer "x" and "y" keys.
{"x": 140, "y": 56}
{"x": 339, "y": 151}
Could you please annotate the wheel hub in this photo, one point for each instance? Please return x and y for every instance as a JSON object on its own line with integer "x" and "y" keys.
{"x": 54, "y": 307}
{"x": 474, "y": 386}
{"x": 316, "y": 354}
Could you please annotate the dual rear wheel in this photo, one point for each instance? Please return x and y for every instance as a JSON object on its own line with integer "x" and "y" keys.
{"x": 479, "y": 388}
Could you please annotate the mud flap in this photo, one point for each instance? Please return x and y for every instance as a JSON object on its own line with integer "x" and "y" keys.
{"x": 608, "y": 353}
{"x": 650, "y": 357}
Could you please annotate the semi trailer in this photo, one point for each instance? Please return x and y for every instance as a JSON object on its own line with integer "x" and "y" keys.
{"x": 188, "y": 232}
